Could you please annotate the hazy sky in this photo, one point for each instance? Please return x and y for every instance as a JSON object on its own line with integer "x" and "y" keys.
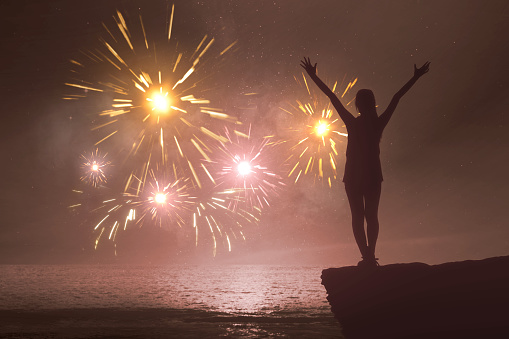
{"x": 444, "y": 153}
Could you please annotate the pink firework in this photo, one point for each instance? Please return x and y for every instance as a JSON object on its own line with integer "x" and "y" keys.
{"x": 247, "y": 169}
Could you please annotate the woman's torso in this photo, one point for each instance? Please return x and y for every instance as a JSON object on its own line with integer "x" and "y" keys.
{"x": 363, "y": 152}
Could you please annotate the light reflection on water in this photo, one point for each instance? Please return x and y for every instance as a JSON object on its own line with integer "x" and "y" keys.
{"x": 243, "y": 289}
{"x": 164, "y": 302}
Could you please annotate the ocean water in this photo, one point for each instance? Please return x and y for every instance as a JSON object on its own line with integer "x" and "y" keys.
{"x": 105, "y": 301}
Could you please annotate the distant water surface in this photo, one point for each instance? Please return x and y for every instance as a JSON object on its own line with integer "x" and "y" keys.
{"x": 80, "y": 301}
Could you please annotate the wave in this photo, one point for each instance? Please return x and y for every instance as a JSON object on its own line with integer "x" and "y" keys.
{"x": 161, "y": 322}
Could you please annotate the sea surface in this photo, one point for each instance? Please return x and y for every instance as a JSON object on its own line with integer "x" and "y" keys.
{"x": 108, "y": 301}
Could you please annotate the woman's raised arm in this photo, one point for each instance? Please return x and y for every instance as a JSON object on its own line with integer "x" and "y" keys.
{"x": 418, "y": 72}
{"x": 342, "y": 111}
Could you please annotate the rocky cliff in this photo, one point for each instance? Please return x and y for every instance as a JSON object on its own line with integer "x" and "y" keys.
{"x": 468, "y": 299}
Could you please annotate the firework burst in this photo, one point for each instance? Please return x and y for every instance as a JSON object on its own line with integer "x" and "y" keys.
{"x": 93, "y": 167}
{"x": 247, "y": 170}
{"x": 316, "y": 135}
{"x": 154, "y": 90}
{"x": 154, "y": 116}
{"x": 165, "y": 202}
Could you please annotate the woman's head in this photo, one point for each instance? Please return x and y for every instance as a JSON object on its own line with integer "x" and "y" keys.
{"x": 365, "y": 102}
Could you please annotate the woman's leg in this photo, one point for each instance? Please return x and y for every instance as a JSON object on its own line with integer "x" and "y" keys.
{"x": 356, "y": 200}
{"x": 372, "y": 200}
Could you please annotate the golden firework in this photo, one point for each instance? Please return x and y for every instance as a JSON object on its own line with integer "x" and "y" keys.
{"x": 315, "y": 134}
{"x": 156, "y": 110}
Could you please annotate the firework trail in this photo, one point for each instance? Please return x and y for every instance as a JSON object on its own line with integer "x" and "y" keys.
{"x": 110, "y": 214}
{"x": 214, "y": 220}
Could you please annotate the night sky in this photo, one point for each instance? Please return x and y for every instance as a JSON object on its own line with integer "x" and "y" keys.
{"x": 444, "y": 154}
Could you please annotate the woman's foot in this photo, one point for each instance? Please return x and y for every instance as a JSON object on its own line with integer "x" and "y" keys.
{"x": 368, "y": 262}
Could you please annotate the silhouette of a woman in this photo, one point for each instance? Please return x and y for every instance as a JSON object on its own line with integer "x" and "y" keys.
{"x": 363, "y": 171}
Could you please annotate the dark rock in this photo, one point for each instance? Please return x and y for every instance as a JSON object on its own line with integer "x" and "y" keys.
{"x": 468, "y": 299}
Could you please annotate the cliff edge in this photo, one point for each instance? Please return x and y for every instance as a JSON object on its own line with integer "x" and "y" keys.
{"x": 467, "y": 299}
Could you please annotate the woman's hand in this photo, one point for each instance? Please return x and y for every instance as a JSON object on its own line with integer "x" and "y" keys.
{"x": 310, "y": 69}
{"x": 419, "y": 72}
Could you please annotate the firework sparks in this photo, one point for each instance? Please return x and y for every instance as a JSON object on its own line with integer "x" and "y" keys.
{"x": 244, "y": 168}
{"x": 213, "y": 219}
{"x": 94, "y": 166}
{"x": 247, "y": 169}
{"x": 167, "y": 206}
{"x": 316, "y": 135}
{"x": 156, "y": 95}
{"x": 322, "y": 128}
{"x": 109, "y": 214}
{"x": 153, "y": 115}
{"x": 165, "y": 202}
{"x": 160, "y": 102}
